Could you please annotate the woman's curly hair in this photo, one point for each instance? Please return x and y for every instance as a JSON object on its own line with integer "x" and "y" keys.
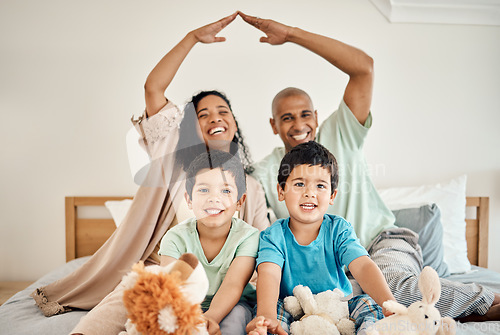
{"x": 190, "y": 145}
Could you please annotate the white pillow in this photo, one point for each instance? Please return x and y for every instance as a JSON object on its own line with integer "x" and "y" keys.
{"x": 450, "y": 198}
{"x": 118, "y": 209}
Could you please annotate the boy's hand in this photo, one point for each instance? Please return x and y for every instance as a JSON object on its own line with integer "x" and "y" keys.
{"x": 262, "y": 325}
{"x": 257, "y": 327}
{"x": 212, "y": 326}
{"x": 277, "y": 33}
{"x": 386, "y": 312}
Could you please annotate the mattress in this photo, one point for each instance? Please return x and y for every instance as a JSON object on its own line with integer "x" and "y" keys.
{"x": 20, "y": 316}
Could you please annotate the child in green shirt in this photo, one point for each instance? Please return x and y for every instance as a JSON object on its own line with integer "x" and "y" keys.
{"x": 226, "y": 246}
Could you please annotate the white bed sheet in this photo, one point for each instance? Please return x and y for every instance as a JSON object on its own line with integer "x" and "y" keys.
{"x": 485, "y": 277}
{"x": 20, "y": 316}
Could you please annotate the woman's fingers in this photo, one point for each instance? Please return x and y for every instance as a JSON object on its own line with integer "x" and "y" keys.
{"x": 228, "y": 19}
{"x": 221, "y": 24}
{"x": 206, "y": 34}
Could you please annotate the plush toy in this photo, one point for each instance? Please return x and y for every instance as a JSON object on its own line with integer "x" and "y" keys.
{"x": 166, "y": 300}
{"x": 322, "y": 313}
{"x": 421, "y": 317}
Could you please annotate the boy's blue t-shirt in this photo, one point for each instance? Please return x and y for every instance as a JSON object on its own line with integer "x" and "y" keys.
{"x": 319, "y": 265}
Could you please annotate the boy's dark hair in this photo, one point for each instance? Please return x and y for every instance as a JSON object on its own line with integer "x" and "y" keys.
{"x": 309, "y": 153}
{"x": 214, "y": 159}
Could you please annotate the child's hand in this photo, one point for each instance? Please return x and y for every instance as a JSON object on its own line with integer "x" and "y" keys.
{"x": 262, "y": 325}
{"x": 257, "y": 327}
{"x": 212, "y": 326}
{"x": 386, "y": 312}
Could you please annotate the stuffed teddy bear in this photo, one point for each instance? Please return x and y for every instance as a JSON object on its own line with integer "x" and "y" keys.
{"x": 322, "y": 313}
{"x": 166, "y": 300}
{"x": 421, "y": 317}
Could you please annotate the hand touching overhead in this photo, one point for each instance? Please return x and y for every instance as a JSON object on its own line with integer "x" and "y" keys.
{"x": 163, "y": 73}
{"x": 277, "y": 33}
{"x": 206, "y": 34}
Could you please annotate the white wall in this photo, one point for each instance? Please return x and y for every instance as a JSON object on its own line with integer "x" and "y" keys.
{"x": 72, "y": 74}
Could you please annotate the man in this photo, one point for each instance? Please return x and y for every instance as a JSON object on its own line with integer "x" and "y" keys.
{"x": 395, "y": 250}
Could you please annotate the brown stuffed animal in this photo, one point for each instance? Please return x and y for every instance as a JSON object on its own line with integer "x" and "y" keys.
{"x": 166, "y": 300}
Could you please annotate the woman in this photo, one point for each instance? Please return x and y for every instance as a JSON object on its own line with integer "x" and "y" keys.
{"x": 158, "y": 203}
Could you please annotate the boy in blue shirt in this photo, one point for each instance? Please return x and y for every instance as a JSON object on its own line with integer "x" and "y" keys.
{"x": 310, "y": 247}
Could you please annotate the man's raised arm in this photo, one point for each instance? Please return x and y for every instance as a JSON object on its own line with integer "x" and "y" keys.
{"x": 350, "y": 60}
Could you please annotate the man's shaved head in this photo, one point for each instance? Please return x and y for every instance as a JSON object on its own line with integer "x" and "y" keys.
{"x": 294, "y": 118}
{"x": 285, "y": 93}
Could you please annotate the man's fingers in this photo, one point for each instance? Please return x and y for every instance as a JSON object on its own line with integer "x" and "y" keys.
{"x": 244, "y": 16}
{"x": 253, "y": 20}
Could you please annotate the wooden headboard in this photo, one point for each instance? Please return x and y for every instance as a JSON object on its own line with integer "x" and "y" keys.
{"x": 84, "y": 236}
{"x": 476, "y": 232}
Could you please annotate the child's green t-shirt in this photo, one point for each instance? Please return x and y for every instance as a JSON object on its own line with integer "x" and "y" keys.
{"x": 243, "y": 240}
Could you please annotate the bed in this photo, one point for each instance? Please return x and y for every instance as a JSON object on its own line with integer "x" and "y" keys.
{"x": 84, "y": 236}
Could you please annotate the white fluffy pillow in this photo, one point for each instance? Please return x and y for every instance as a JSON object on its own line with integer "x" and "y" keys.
{"x": 118, "y": 209}
{"x": 450, "y": 198}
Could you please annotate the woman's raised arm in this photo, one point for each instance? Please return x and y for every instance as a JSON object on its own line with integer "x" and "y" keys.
{"x": 163, "y": 73}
